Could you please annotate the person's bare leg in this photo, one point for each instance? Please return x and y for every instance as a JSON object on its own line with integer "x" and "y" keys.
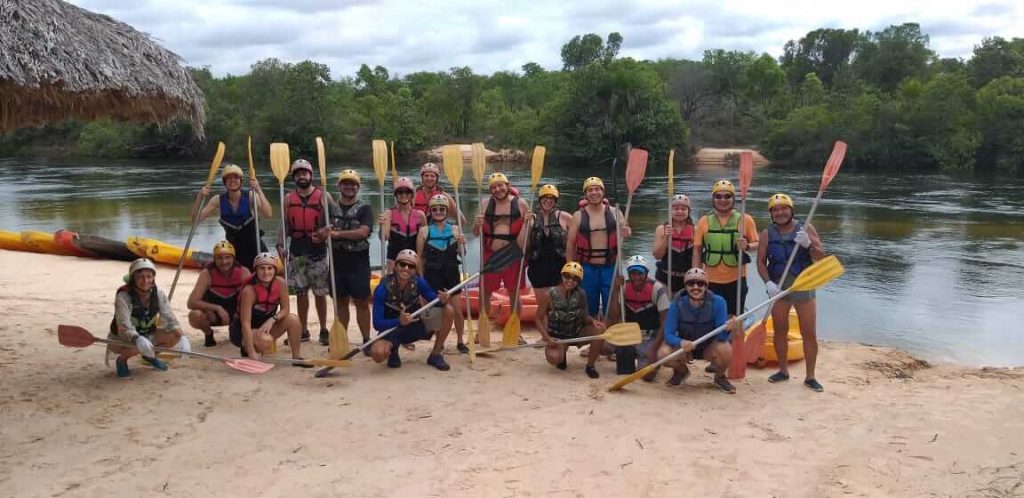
{"x": 302, "y": 303}
{"x": 447, "y": 318}
{"x": 780, "y": 322}
{"x": 321, "y": 309}
{"x": 362, "y": 317}
{"x": 459, "y": 318}
{"x": 341, "y": 311}
{"x": 807, "y": 312}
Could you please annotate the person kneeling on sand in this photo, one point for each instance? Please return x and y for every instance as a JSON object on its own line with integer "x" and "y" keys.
{"x": 138, "y": 305}
{"x": 693, "y": 314}
{"x": 646, "y": 303}
{"x": 259, "y": 322}
{"x": 396, "y": 298}
{"x": 564, "y": 316}
{"x": 214, "y": 300}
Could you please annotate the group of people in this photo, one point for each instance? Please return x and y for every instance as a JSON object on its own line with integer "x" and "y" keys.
{"x": 699, "y": 283}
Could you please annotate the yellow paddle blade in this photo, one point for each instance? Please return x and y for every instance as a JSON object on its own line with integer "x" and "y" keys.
{"x": 252, "y": 168}
{"x": 671, "y": 169}
{"x": 215, "y": 164}
{"x": 537, "y": 166}
{"x": 280, "y": 160}
{"x": 483, "y": 329}
{"x": 337, "y": 340}
{"x": 635, "y": 376}
{"x": 452, "y": 156}
{"x": 510, "y": 335}
{"x": 394, "y": 169}
{"x": 623, "y": 334}
{"x": 321, "y": 159}
{"x": 818, "y": 274}
{"x": 479, "y": 162}
{"x": 380, "y": 160}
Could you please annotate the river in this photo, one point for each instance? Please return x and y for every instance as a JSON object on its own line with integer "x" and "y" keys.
{"x": 933, "y": 262}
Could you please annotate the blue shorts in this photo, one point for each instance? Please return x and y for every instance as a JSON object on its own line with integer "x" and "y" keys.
{"x": 597, "y": 282}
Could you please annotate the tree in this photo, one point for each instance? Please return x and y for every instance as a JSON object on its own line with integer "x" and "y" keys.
{"x": 1001, "y": 115}
{"x": 824, "y": 52}
{"x": 997, "y": 57}
{"x": 587, "y": 49}
{"x": 893, "y": 55}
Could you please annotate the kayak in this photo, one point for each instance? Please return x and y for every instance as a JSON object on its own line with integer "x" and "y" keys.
{"x": 11, "y": 241}
{"x": 106, "y": 248}
{"x": 162, "y": 252}
{"x": 501, "y": 295}
{"x": 68, "y": 242}
{"x": 42, "y": 242}
{"x": 501, "y": 311}
{"x": 795, "y": 344}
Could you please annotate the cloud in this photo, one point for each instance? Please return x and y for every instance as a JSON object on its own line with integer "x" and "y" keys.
{"x": 992, "y": 9}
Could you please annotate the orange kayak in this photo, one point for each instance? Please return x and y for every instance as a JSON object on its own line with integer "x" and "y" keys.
{"x": 502, "y": 310}
{"x": 497, "y": 297}
{"x": 68, "y": 241}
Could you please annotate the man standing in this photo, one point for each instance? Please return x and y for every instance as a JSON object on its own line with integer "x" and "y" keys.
{"x": 307, "y": 251}
{"x": 214, "y": 300}
{"x": 785, "y": 235}
{"x": 351, "y": 225}
{"x": 500, "y": 221}
{"x": 237, "y": 213}
{"x": 430, "y": 185}
{"x": 593, "y": 240}
{"x": 716, "y": 240}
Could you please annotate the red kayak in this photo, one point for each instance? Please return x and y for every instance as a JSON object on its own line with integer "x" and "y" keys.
{"x": 68, "y": 241}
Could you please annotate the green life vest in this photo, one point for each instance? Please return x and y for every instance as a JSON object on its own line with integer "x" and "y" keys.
{"x": 720, "y": 242}
{"x": 565, "y": 316}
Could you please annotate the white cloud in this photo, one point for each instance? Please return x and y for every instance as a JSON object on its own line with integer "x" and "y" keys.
{"x": 490, "y": 35}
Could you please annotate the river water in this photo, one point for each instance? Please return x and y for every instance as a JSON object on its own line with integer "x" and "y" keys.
{"x": 933, "y": 262}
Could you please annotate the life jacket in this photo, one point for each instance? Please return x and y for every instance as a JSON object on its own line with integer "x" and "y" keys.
{"x": 305, "y": 214}
{"x": 405, "y": 298}
{"x": 720, "y": 242}
{"x": 441, "y": 251}
{"x": 565, "y": 314}
{"x": 547, "y": 240}
{"x": 225, "y": 286}
{"x": 349, "y": 220}
{"x": 235, "y": 220}
{"x": 641, "y": 307}
{"x": 268, "y": 299}
{"x": 144, "y": 315}
{"x": 584, "y": 252}
{"x": 515, "y": 221}
{"x": 780, "y": 247}
{"x": 421, "y": 200}
{"x": 692, "y": 324}
{"x": 682, "y": 251}
{"x": 402, "y": 237}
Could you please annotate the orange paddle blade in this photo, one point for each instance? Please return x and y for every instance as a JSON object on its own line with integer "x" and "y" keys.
{"x": 746, "y": 172}
{"x": 636, "y": 168}
{"x": 833, "y": 164}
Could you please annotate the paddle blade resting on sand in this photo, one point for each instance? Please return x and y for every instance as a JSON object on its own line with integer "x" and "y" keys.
{"x": 280, "y": 160}
{"x": 815, "y": 276}
{"x": 479, "y": 166}
{"x": 453, "y": 166}
{"x": 513, "y": 327}
{"x": 452, "y": 157}
{"x": 738, "y": 365}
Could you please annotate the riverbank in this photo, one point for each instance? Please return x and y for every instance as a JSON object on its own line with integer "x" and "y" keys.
{"x": 887, "y": 424}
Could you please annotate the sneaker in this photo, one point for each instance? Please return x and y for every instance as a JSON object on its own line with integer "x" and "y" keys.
{"x": 325, "y": 337}
{"x": 464, "y": 349}
{"x": 155, "y": 363}
{"x": 208, "y": 340}
{"x": 814, "y": 385}
{"x": 394, "y": 361}
{"x": 592, "y": 372}
{"x": 437, "y": 361}
{"x": 725, "y": 385}
{"x": 778, "y": 377}
{"x": 679, "y": 377}
{"x": 710, "y": 368}
{"x": 305, "y": 336}
{"x": 301, "y": 365}
{"x": 122, "y": 368}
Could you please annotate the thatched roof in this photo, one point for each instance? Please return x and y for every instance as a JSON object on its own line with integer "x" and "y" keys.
{"x": 59, "y": 61}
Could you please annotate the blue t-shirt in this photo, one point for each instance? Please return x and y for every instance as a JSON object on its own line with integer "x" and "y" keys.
{"x": 719, "y": 314}
{"x": 380, "y": 299}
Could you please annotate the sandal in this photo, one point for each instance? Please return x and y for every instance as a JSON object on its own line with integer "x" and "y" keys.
{"x": 814, "y": 385}
{"x": 778, "y": 377}
{"x": 725, "y": 385}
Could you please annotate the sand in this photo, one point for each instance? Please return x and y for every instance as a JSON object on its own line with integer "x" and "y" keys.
{"x": 887, "y": 424}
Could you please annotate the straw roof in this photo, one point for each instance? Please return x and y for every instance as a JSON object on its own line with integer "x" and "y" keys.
{"x": 59, "y": 61}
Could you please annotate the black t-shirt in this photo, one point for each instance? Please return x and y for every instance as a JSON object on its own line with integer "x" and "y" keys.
{"x": 346, "y": 260}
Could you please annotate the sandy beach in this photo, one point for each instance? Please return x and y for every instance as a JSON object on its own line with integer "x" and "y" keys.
{"x": 510, "y": 425}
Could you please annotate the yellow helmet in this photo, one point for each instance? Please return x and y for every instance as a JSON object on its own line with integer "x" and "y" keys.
{"x": 350, "y": 175}
{"x": 592, "y": 182}
{"x": 573, "y": 269}
{"x": 723, "y": 186}
{"x": 497, "y": 178}
{"x": 223, "y": 247}
{"x": 231, "y": 169}
{"x": 547, "y": 190}
{"x": 438, "y": 200}
{"x": 779, "y": 199}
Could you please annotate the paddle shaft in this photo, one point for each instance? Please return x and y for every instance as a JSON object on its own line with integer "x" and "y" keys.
{"x": 256, "y": 217}
{"x": 458, "y": 221}
{"x": 162, "y": 349}
{"x": 792, "y": 255}
{"x": 380, "y": 231}
{"x": 283, "y": 235}
{"x": 188, "y": 242}
{"x": 330, "y": 252}
{"x": 739, "y": 255}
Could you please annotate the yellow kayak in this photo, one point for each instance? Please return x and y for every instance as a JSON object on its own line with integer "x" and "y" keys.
{"x": 42, "y": 242}
{"x": 795, "y": 344}
{"x": 12, "y": 242}
{"x": 164, "y": 253}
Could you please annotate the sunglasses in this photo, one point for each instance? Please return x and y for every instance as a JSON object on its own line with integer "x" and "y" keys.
{"x": 404, "y": 265}
{"x": 404, "y": 192}
{"x": 696, "y": 283}
{"x": 438, "y": 210}
{"x": 568, "y": 278}
{"x": 723, "y": 196}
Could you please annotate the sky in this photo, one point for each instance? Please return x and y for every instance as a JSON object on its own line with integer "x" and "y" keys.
{"x": 492, "y": 35}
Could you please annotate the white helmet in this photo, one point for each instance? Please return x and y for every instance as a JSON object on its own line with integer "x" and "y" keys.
{"x": 695, "y": 274}
{"x": 681, "y": 199}
{"x": 408, "y": 256}
{"x": 264, "y": 259}
{"x": 141, "y": 264}
{"x": 637, "y": 262}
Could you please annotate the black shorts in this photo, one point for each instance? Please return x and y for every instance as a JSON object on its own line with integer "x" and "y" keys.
{"x": 545, "y": 274}
{"x": 442, "y": 279}
{"x": 409, "y": 334}
{"x": 728, "y": 292}
{"x": 235, "y": 329}
{"x": 353, "y": 283}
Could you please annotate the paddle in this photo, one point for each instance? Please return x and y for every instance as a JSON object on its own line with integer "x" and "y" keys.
{"x": 738, "y": 366}
{"x": 620, "y": 334}
{"x": 499, "y": 261}
{"x": 670, "y": 230}
{"x": 78, "y": 337}
{"x": 394, "y": 176}
{"x": 483, "y": 323}
{"x": 337, "y": 342}
{"x": 510, "y": 335}
{"x": 380, "y": 167}
{"x": 255, "y": 199}
{"x": 453, "y": 170}
{"x": 813, "y": 277}
{"x": 214, "y": 167}
{"x": 835, "y": 160}
{"x": 280, "y": 162}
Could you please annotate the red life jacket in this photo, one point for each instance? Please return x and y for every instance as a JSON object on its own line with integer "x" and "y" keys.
{"x": 515, "y": 221}
{"x": 267, "y": 299}
{"x": 640, "y": 306}
{"x": 421, "y": 201}
{"x": 225, "y": 286}
{"x": 584, "y": 252}
{"x": 305, "y": 214}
